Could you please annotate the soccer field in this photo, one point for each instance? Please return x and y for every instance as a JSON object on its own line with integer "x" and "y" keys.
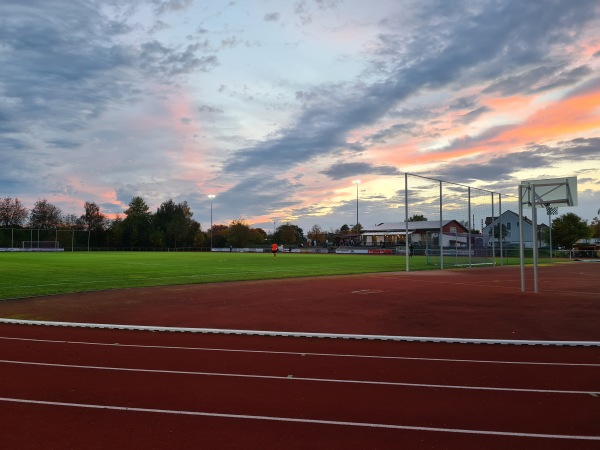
{"x": 34, "y": 274}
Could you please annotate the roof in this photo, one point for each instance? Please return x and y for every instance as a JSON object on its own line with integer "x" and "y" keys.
{"x": 488, "y": 220}
{"x": 400, "y": 227}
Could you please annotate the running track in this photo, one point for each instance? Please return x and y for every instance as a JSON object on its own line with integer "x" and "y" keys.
{"x": 97, "y": 388}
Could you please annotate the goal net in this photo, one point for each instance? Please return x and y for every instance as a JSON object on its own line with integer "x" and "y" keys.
{"x": 41, "y": 245}
{"x": 457, "y": 249}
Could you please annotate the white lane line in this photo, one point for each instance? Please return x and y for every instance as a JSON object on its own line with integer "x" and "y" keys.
{"x": 270, "y": 352}
{"x": 374, "y": 337}
{"x": 309, "y": 421}
{"x": 288, "y": 377}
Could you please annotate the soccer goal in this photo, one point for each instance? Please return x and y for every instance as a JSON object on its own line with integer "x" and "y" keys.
{"x": 457, "y": 249}
{"x": 41, "y": 246}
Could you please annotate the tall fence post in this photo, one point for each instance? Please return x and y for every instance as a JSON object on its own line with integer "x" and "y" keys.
{"x": 406, "y": 248}
{"x": 501, "y": 234}
{"x": 441, "y": 229}
{"x": 470, "y": 247}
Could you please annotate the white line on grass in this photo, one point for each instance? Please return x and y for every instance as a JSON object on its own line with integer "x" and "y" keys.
{"x": 304, "y": 354}
{"x": 309, "y": 421}
{"x": 294, "y": 378}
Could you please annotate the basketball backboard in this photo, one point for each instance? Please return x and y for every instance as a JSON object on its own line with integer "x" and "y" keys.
{"x": 549, "y": 192}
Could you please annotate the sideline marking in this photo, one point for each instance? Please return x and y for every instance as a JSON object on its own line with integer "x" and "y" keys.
{"x": 272, "y": 352}
{"x": 289, "y": 377}
{"x": 312, "y": 421}
{"x": 303, "y": 334}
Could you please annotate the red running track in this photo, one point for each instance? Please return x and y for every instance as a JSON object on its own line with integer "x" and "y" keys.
{"x": 97, "y": 388}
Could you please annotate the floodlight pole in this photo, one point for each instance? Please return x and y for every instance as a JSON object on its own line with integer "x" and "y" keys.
{"x": 357, "y": 182}
{"x": 211, "y": 197}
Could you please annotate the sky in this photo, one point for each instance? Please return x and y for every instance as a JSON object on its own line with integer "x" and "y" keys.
{"x": 275, "y": 107}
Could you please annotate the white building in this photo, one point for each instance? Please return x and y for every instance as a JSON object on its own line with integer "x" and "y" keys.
{"x": 510, "y": 221}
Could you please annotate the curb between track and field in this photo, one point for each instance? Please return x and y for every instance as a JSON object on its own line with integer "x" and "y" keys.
{"x": 446, "y": 340}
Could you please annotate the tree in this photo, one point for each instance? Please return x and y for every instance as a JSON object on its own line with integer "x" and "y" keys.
{"x": 137, "y": 223}
{"x": 289, "y": 234}
{"x": 568, "y": 229}
{"x": 356, "y": 229}
{"x": 417, "y": 218}
{"x": 239, "y": 233}
{"x": 316, "y": 234}
{"x": 93, "y": 219}
{"x": 497, "y": 233}
{"x": 175, "y": 225}
{"x": 115, "y": 232}
{"x": 345, "y": 229}
{"x": 259, "y": 235}
{"x": 595, "y": 227}
{"x": 12, "y": 213}
{"x": 219, "y": 235}
{"x": 45, "y": 215}
{"x": 71, "y": 222}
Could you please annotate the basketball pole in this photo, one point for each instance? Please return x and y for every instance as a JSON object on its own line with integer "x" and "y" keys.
{"x": 521, "y": 240}
{"x": 535, "y": 239}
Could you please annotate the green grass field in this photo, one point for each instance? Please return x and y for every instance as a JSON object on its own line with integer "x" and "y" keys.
{"x": 36, "y": 274}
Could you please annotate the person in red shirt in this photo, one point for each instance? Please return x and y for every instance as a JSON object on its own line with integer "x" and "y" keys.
{"x": 274, "y": 249}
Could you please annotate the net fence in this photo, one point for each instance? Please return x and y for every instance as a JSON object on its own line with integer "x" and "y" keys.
{"x": 41, "y": 239}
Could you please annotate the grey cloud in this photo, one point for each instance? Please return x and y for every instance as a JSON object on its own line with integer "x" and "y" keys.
{"x": 328, "y": 4}
{"x": 159, "y": 25}
{"x": 253, "y": 194}
{"x": 382, "y": 135}
{"x": 63, "y": 143}
{"x": 467, "y": 142}
{"x": 471, "y": 44}
{"x": 209, "y": 109}
{"x": 157, "y": 59}
{"x": 473, "y": 115}
{"x": 566, "y": 78}
{"x": 271, "y": 17}
{"x": 523, "y": 82}
{"x": 535, "y": 156}
{"x": 54, "y": 71}
{"x": 115, "y": 27}
{"x": 164, "y": 6}
{"x": 498, "y": 168}
{"x": 539, "y": 79}
{"x": 580, "y": 149}
{"x": 345, "y": 170}
{"x": 463, "y": 103}
{"x": 301, "y": 10}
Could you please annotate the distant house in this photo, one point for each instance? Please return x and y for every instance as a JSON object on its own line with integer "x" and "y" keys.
{"x": 510, "y": 220}
{"x": 394, "y": 233}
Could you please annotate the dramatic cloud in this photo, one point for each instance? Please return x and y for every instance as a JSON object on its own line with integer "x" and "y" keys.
{"x": 276, "y": 110}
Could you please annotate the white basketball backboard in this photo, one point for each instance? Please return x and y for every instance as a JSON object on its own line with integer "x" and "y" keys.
{"x": 549, "y": 192}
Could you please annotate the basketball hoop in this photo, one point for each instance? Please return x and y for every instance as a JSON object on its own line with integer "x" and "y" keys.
{"x": 552, "y": 210}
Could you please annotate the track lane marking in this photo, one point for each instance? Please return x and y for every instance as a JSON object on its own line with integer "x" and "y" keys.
{"x": 338, "y": 355}
{"x": 287, "y": 377}
{"x": 306, "y": 421}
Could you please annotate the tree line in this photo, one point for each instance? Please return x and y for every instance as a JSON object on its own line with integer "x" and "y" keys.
{"x": 170, "y": 226}
{"x": 173, "y": 226}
